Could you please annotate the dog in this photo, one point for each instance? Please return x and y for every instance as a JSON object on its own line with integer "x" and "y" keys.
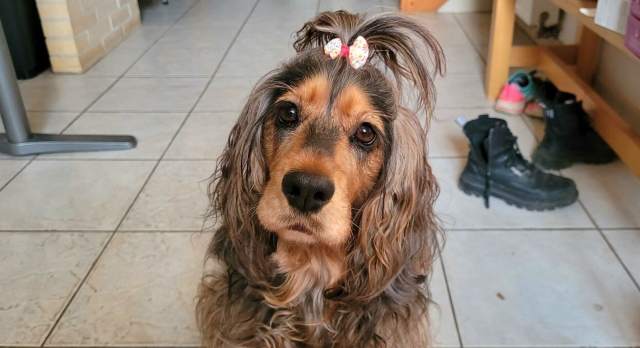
{"x": 324, "y": 196}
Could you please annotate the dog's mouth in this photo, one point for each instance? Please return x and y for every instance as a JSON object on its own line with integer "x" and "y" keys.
{"x": 300, "y": 228}
{"x": 297, "y": 233}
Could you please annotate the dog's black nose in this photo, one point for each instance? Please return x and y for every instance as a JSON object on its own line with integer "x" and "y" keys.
{"x": 307, "y": 192}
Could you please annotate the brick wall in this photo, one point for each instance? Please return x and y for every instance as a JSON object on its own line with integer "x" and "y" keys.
{"x": 80, "y": 32}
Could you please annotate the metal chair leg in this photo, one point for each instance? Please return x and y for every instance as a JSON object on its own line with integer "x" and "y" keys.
{"x": 18, "y": 139}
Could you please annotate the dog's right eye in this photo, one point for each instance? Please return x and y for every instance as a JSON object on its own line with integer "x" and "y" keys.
{"x": 287, "y": 115}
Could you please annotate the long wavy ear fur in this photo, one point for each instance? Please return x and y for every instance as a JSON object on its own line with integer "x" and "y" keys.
{"x": 235, "y": 188}
{"x": 234, "y": 191}
{"x": 395, "y": 244}
{"x": 398, "y": 43}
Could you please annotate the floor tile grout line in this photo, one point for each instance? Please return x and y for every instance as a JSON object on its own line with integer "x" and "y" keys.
{"x": 16, "y": 174}
{"x": 455, "y": 17}
{"x": 89, "y": 106}
{"x": 125, "y": 72}
{"x": 80, "y": 285}
{"x": 178, "y": 19}
{"x": 446, "y": 283}
{"x": 224, "y": 56}
{"x": 174, "y": 25}
{"x": 615, "y": 253}
{"x": 529, "y": 126}
{"x": 36, "y": 156}
{"x": 613, "y": 250}
{"x": 620, "y": 228}
{"x": 113, "y": 233}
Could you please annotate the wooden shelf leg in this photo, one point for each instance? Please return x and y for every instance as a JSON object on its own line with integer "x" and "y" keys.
{"x": 588, "y": 53}
{"x": 502, "y": 25}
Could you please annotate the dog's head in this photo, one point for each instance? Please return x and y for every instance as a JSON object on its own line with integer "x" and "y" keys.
{"x": 324, "y": 154}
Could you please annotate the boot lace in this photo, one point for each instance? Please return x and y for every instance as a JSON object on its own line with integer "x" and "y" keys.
{"x": 515, "y": 158}
{"x": 518, "y": 164}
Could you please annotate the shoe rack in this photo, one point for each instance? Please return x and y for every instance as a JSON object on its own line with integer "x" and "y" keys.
{"x": 569, "y": 67}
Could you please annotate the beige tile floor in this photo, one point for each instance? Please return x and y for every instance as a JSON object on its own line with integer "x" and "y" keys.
{"x": 104, "y": 249}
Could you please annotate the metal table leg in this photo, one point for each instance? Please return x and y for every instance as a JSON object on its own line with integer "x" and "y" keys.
{"x": 18, "y": 139}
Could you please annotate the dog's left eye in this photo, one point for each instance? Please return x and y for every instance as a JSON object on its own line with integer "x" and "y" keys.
{"x": 365, "y": 134}
{"x": 287, "y": 115}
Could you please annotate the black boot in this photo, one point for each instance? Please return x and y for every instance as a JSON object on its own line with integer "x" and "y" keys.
{"x": 496, "y": 167}
{"x": 569, "y": 137}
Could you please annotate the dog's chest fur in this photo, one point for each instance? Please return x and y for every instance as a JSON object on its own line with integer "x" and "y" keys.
{"x": 300, "y": 298}
{"x": 308, "y": 272}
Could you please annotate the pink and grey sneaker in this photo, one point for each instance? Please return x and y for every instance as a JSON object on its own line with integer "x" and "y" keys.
{"x": 521, "y": 88}
{"x": 511, "y": 100}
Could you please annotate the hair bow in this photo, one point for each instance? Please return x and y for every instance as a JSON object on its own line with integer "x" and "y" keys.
{"x": 356, "y": 53}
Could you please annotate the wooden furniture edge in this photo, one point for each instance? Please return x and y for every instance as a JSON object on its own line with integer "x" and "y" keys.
{"x": 500, "y": 45}
{"x": 612, "y": 37}
{"x": 416, "y": 6}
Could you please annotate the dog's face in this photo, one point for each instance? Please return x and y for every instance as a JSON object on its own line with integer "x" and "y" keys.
{"x": 325, "y": 144}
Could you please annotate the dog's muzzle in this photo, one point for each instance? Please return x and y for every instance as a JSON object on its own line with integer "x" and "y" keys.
{"x": 307, "y": 192}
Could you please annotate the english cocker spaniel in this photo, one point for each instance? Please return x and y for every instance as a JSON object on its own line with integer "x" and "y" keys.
{"x": 324, "y": 197}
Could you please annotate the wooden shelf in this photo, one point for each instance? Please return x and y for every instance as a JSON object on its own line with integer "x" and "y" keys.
{"x": 613, "y": 129}
{"x": 572, "y": 8}
{"x": 569, "y": 67}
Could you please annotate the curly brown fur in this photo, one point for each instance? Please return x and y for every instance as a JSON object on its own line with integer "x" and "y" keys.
{"x": 358, "y": 278}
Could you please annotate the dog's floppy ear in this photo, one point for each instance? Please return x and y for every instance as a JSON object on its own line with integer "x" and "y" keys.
{"x": 394, "y": 245}
{"x": 397, "y": 43}
{"x": 397, "y": 229}
{"x": 236, "y": 186}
